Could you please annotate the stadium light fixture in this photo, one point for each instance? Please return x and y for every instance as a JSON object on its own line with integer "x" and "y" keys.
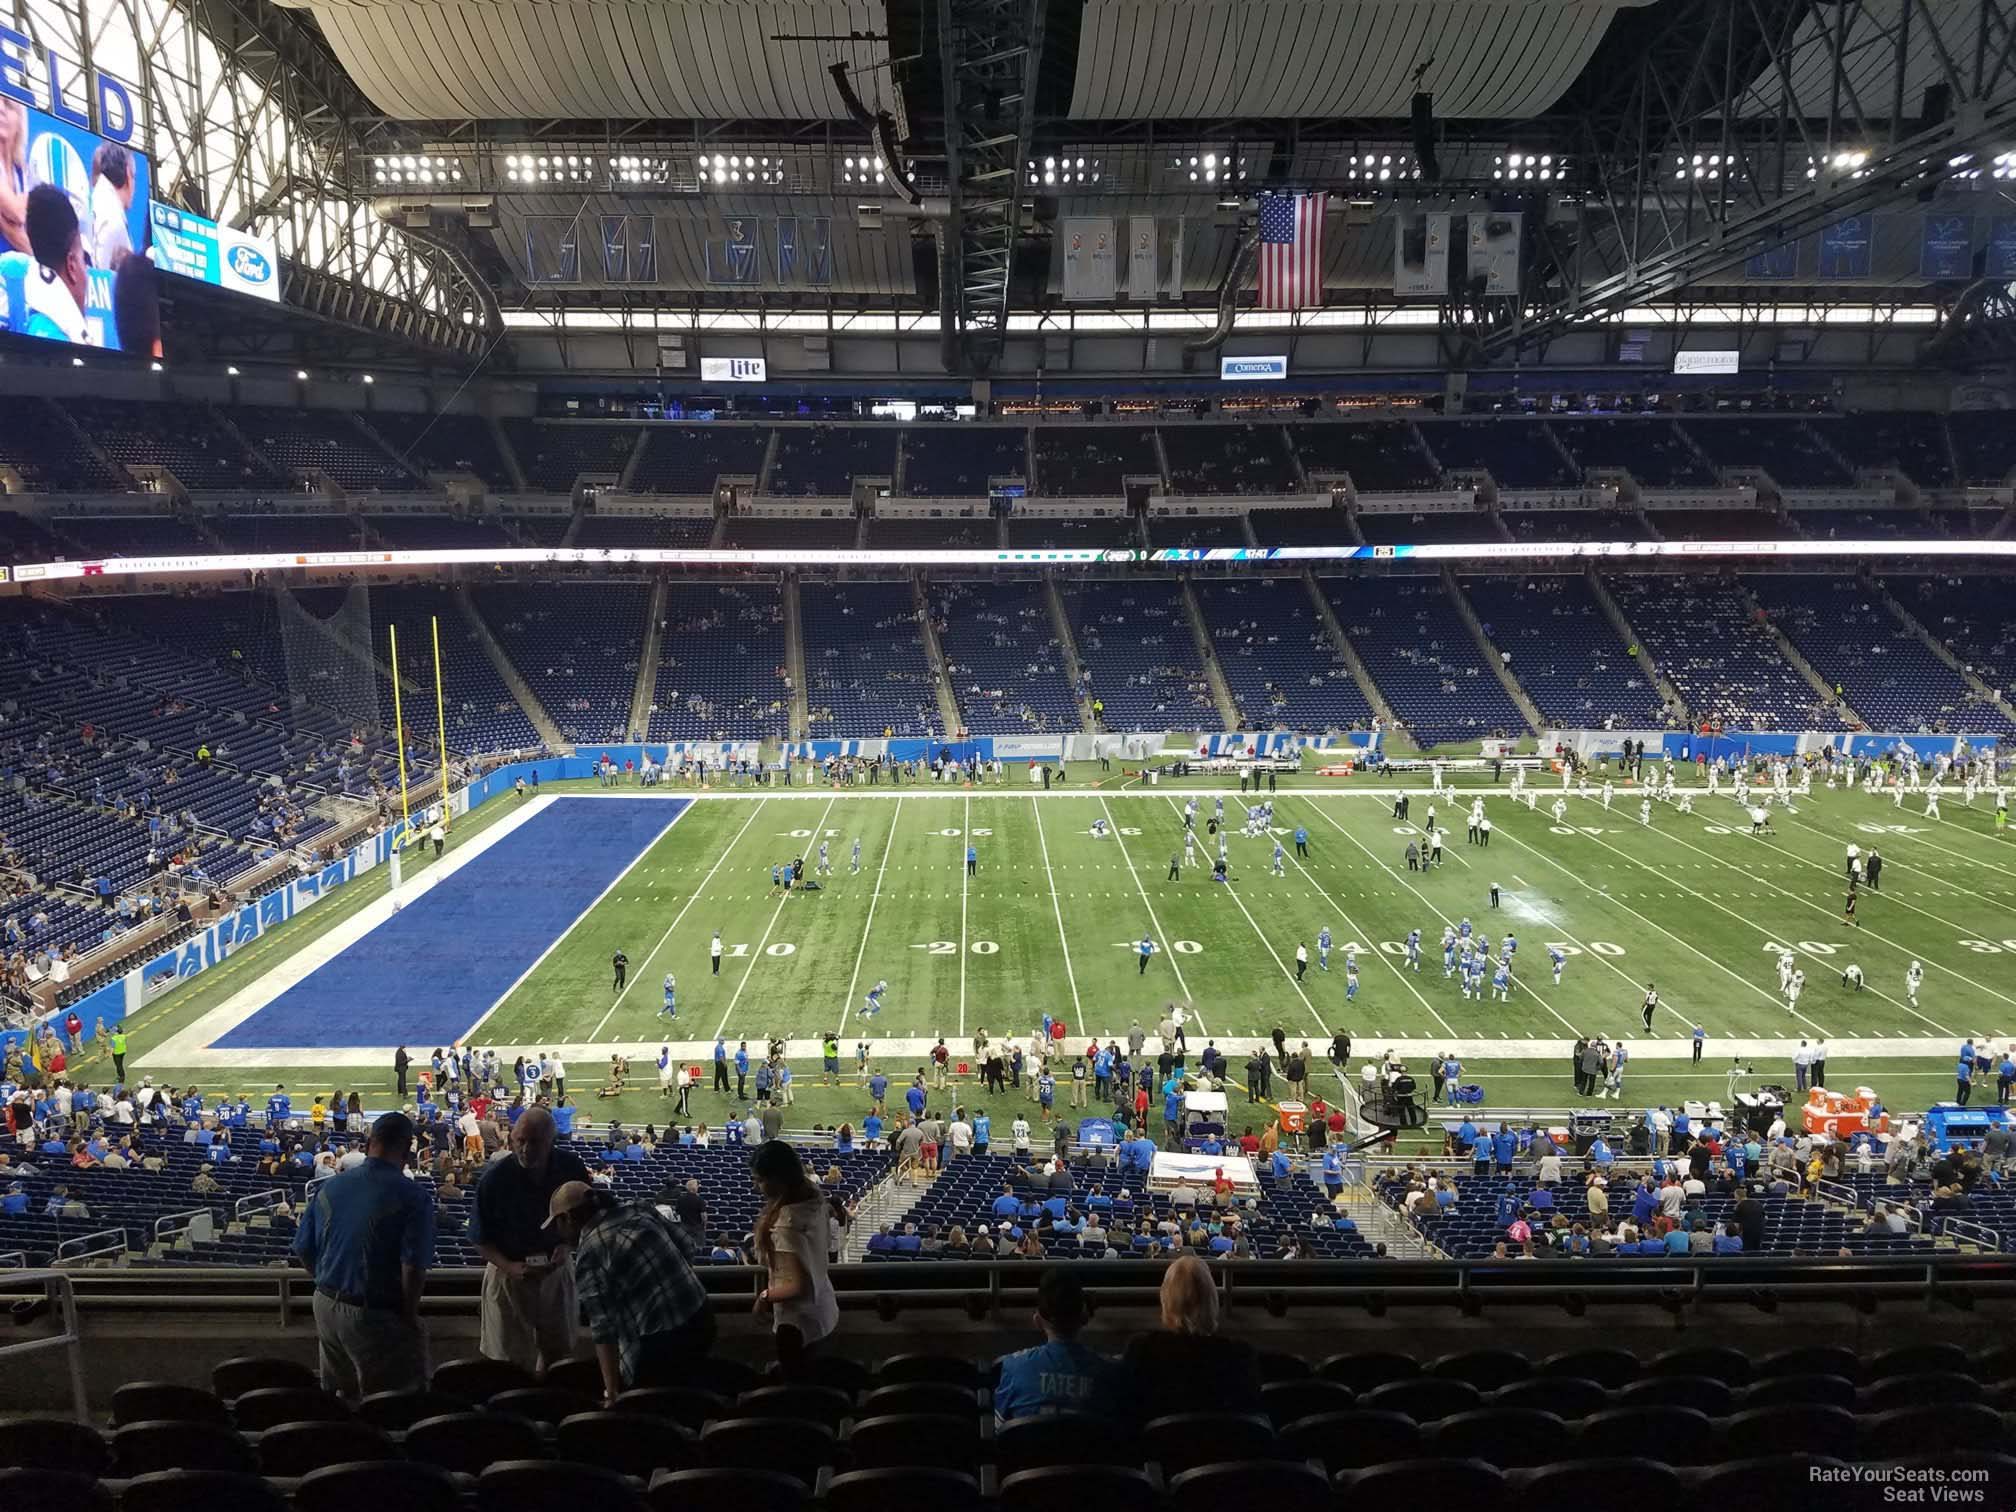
{"x": 230, "y": 372}
{"x": 76, "y": 362}
{"x": 2005, "y": 166}
{"x": 368, "y": 379}
{"x": 153, "y": 367}
{"x": 551, "y": 168}
{"x": 1069, "y": 169}
{"x": 401, "y": 170}
{"x": 1528, "y": 167}
{"x": 300, "y": 375}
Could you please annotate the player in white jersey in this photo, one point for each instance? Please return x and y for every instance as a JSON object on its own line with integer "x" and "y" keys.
{"x": 1323, "y": 948}
{"x": 1666, "y": 788}
{"x": 1501, "y": 981}
{"x": 825, "y": 866}
{"x": 1414, "y": 950}
{"x": 1557, "y": 958}
{"x": 1435, "y": 774}
{"x": 1897, "y": 795}
{"x": 1792, "y": 990}
{"x": 857, "y": 855}
{"x": 1350, "y": 977}
{"x": 1189, "y": 846}
{"x": 1190, "y": 814}
{"x": 1607, "y": 790}
{"x": 1559, "y": 810}
{"x": 1533, "y": 801}
{"x": 1644, "y": 810}
{"x": 1932, "y": 801}
{"x": 1686, "y": 803}
{"x": 1851, "y": 977}
{"x": 1786, "y": 965}
{"x": 1914, "y": 978}
{"x": 1098, "y": 829}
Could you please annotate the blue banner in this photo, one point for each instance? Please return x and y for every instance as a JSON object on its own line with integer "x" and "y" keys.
{"x": 195, "y": 246}
{"x": 2002, "y": 247}
{"x": 1847, "y": 247}
{"x": 1947, "y": 247}
{"x": 1779, "y": 263}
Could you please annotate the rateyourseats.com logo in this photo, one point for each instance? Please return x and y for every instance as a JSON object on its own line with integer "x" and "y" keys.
{"x": 1917, "y": 1485}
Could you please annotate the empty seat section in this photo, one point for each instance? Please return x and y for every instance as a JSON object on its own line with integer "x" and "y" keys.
{"x": 577, "y": 646}
{"x": 1716, "y": 524}
{"x": 691, "y": 459}
{"x": 721, "y": 672}
{"x": 1091, "y": 533}
{"x": 1002, "y": 655}
{"x": 452, "y": 443}
{"x": 554, "y": 454}
{"x": 1227, "y": 459}
{"x": 47, "y": 456}
{"x": 1702, "y": 635}
{"x": 285, "y": 532}
{"x": 865, "y": 668}
{"x": 1454, "y": 526}
{"x": 825, "y": 460}
{"x": 1781, "y": 445}
{"x": 132, "y": 535}
{"x": 1517, "y": 453}
{"x": 912, "y": 533}
{"x": 1421, "y": 656}
{"x": 1984, "y": 442}
{"x": 1135, "y": 640}
{"x": 958, "y": 461}
{"x": 483, "y": 715}
{"x": 1192, "y": 531}
{"x": 186, "y": 439}
{"x": 1651, "y": 450}
{"x": 436, "y": 532}
{"x": 327, "y": 443}
{"x": 1913, "y": 444}
{"x": 1301, "y": 527}
{"x": 669, "y": 532}
{"x": 1277, "y": 658}
{"x": 1380, "y": 456}
{"x": 1092, "y": 461}
{"x": 1564, "y": 651}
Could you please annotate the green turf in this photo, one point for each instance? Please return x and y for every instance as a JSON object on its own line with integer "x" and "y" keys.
{"x": 1047, "y": 925}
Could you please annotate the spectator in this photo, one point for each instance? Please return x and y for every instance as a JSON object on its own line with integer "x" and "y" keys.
{"x": 1187, "y": 1366}
{"x": 644, "y": 1307}
{"x": 791, "y": 1245}
{"x": 528, "y": 1313}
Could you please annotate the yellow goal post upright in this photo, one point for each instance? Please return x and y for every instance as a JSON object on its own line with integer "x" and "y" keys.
{"x": 440, "y": 725}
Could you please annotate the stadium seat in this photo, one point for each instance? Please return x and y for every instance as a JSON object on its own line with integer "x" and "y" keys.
{"x": 1279, "y": 1365}
{"x": 1352, "y": 1440}
{"x": 917, "y": 1396}
{"x": 1185, "y": 1440}
{"x": 914, "y": 1438}
{"x": 1684, "y": 1435}
{"x": 951, "y": 1370}
{"x": 790, "y": 1445}
{"x": 1607, "y": 1367}
{"x": 812, "y": 1404}
{"x": 1767, "y": 1483}
{"x": 911, "y": 1486}
{"x": 1920, "y": 1430}
{"x": 1503, "y": 1436}
{"x": 1789, "y": 1390}
{"x": 680, "y": 1404}
{"x": 1916, "y": 1359}
{"x": 1362, "y": 1372}
{"x": 1654, "y": 1487}
{"x": 1287, "y": 1401}
{"x": 1253, "y": 1486}
{"x": 269, "y": 1406}
{"x": 296, "y": 1448}
{"x": 558, "y": 1486}
{"x": 635, "y": 1443}
{"x": 477, "y": 1378}
{"x": 1061, "y": 1439}
{"x": 1422, "y": 1399}
{"x": 144, "y": 1448}
{"x": 54, "y": 1443}
{"x": 1424, "y": 1482}
{"x": 396, "y": 1411}
{"x": 1709, "y": 1395}
{"x": 164, "y": 1401}
{"x": 1922, "y": 1386}
{"x": 32, "y": 1488}
{"x": 1802, "y": 1427}
{"x": 542, "y": 1404}
{"x": 1097, "y": 1485}
{"x": 231, "y": 1379}
{"x": 195, "y": 1490}
{"x": 379, "y": 1485}
{"x": 1717, "y": 1362}
{"x": 1566, "y": 1395}
{"x": 1486, "y": 1369}
{"x": 582, "y": 1376}
{"x": 726, "y": 1486}
{"x": 1808, "y": 1359}
{"x": 466, "y": 1442}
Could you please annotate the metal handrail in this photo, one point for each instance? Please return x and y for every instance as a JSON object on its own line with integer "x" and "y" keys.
{"x": 13, "y": 1259}
{"x": 1977, "y": 1234}
{"x": 73, "y": 1249}
{"x": 258, "y": 1202}
{"x": 58, "y": 1287}
{"x": 185, "y": 1219}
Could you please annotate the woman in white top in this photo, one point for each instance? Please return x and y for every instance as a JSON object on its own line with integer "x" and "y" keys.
{"x": 792, "y": 1237}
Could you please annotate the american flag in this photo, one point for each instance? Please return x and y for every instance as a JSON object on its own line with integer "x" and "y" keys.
{"x": 1291, "y": 251}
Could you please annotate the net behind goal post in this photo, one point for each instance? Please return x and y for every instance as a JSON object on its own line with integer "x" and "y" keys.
{"x": 329, "y": 654}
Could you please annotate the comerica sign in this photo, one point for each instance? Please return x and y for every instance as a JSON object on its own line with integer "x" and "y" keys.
{"x": 1251, "y": 369}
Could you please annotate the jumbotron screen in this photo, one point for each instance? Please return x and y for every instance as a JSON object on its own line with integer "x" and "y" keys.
{"x": 74, "y": 234}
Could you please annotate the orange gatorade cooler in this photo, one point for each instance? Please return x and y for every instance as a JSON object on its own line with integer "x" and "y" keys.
{"x": 1294, "y": 1117}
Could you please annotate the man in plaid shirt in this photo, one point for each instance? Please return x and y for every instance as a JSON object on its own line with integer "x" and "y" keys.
{"x": 633, "y": 1271}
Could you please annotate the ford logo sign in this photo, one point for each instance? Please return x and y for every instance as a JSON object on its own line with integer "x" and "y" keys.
{"x": 250, "y": 264}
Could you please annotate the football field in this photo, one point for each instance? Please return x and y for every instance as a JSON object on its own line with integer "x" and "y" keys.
{"x": 1049, "y": 920}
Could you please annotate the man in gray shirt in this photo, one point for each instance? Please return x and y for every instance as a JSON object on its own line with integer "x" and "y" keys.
{"x": 1136, "y": 1038}
{"x": 909, "y": 1140}
{"x": 772, "y": 1120}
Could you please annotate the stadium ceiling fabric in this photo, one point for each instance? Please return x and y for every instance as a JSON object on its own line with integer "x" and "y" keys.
{"x": 669, "y": 59}
{"x": 1937, "y": 26}
{"x": 1278, "y": 59}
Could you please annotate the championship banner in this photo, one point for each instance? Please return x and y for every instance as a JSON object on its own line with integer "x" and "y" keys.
{"x": 1946, "y": 246}
{"x": 1089, "y": 259}
{"x": 1847, "y": 247}
{"x": 1421, "y": 254}
{"x": 1143, "y": 263}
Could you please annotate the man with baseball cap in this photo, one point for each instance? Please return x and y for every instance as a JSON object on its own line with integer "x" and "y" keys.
{"x": 528, "y": 1310}
{"x": 644, "y": 1307}
{"x": 367, "y": 1235}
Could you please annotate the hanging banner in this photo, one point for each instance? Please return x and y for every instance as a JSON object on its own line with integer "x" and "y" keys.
{"x": 1143, "y": 264}
{"x": 1946, "y": 249}
{"x": 1175, "y": 284}
{"x": 737, "y": 257}
{"x": 1778, "y": 264}
{"x": 1847, "y": 247}
{"x": 1494, "y": 250}
{"x": 2002, "y": 247}
{"x": 1421, "y": 254}
{"x": 1089, "y": 258}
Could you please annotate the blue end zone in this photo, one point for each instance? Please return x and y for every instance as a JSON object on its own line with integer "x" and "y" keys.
{"x": 431, "y": 970}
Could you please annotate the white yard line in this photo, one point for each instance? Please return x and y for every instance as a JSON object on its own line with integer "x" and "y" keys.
{"x": 645, "y": 965}
{"x": 1057, "y": 909}
{"x": 965, "y": 883}
{"x": 1864, "y": 931}
{"x": 854, "y": 981}
{"x": 775, "y": 913}
{"x": 1518, "y": 981}
{"x": 1154, "y": 923}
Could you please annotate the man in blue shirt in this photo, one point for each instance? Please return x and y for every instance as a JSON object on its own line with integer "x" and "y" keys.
{"x": 1007, "y": 1205}
{"x": 1060, "y": 1374}
{"x": 878, "y": 1090}
{"x": 742, "y": 1071}
{"x": 983, "y": 1132}
{"x": 914, "y": 1099}
{"x": 279, "y": 1108}
{"x": 367, "y": 1236}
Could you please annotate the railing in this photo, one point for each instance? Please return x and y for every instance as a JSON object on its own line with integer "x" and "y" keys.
{"x": 259, "y": 1202}
{"x": 90, "y": 1246}
{"x": 13, "y": 1259}
{"x": 1967, "y": 1231}
{"x": 174, "y": 1225}
{"x": 58, "y": 1290}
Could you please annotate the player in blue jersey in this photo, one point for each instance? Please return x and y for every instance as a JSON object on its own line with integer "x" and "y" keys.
{"x": 1323, "y": 947}
{"x": 1280, "y": 858}
{"x": 1511, "y": 946}
{"x": 1557, "y": 958}
{"x": 857, "y": 854}
{"x": 1413, "y": 950}
{"x": 873, "y": 1005}
{"x": 1448, "y": 955}
{"x": 1463, "y": 929}
{"x": 776, "y": 877}
{"x": 825, "y": 866}
{"x": 671, "y": 1008}
{"x": 1350, "y": 978}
